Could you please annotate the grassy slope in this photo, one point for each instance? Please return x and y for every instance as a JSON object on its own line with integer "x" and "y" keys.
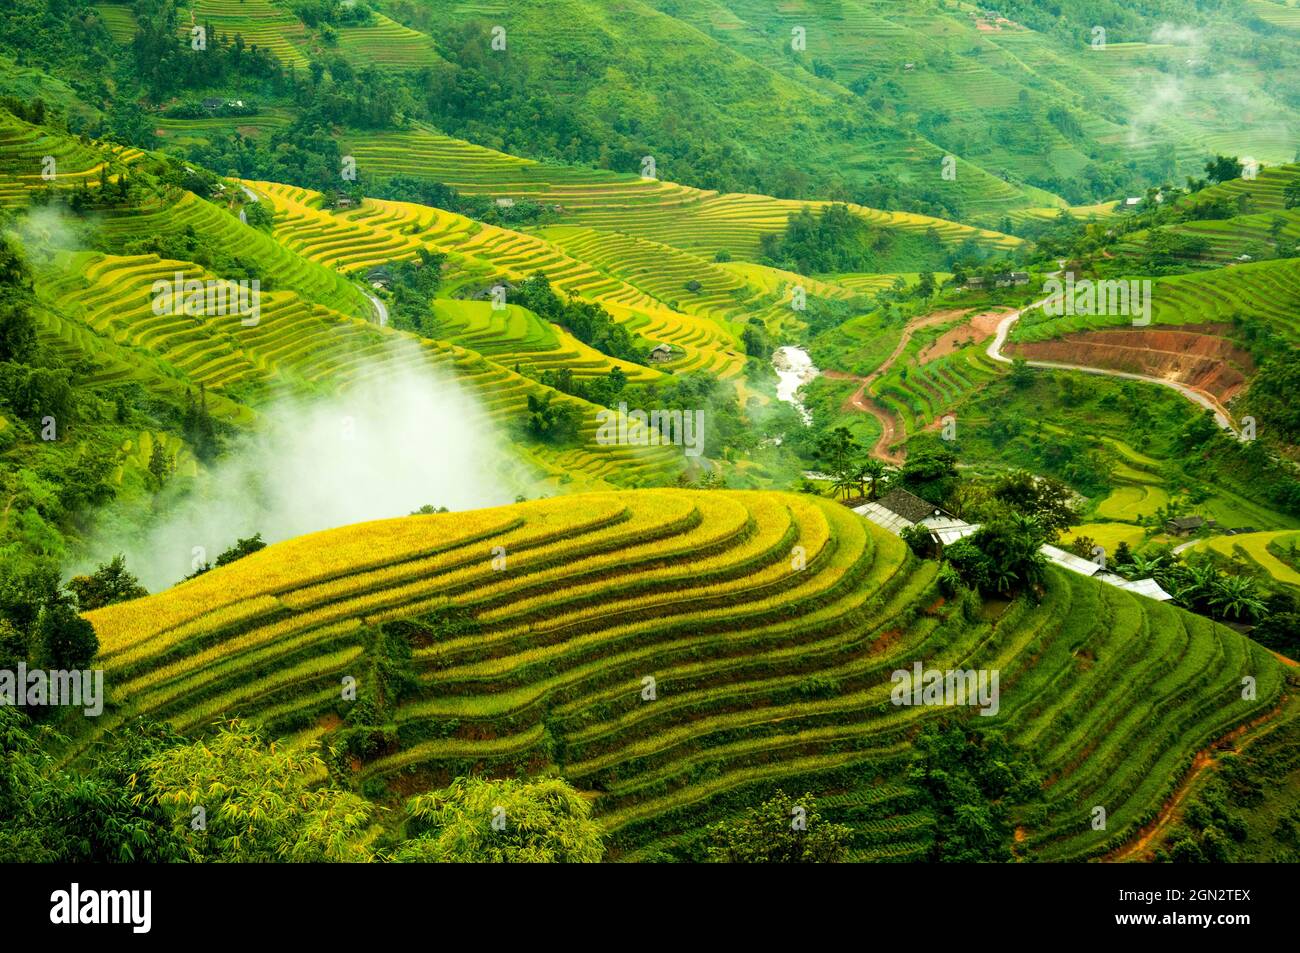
{"x": 764, "y": 674}
{"x": 314, "y": 333}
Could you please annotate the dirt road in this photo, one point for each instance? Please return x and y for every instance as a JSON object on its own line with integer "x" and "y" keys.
{"x": 1204, "y": 399}
{"x": 891, "y": 429}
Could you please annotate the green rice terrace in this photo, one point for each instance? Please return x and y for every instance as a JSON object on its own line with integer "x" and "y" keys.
{"x": 763, "y": 673}
{"x": 609, "y": 410}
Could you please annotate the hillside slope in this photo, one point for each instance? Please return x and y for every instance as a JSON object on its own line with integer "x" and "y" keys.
{"x": 677, "y": 653}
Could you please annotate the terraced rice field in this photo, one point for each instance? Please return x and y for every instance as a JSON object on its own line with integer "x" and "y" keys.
{"x": 1129, "y": 504}
{"x": 100, "y": 309}
{"x": 187, "y": 131}
{"x": 515, "y": 337}
{"x": 698, "y": 592}
{"x": 260, "y": 22}
{"x": 26, "y": 152}
{"x": 1267, "y": 290}
{"x": 118, "y": 20}
{"x": 1258, "y": 205}
{"x": 386, "y": 43}
{"x": 381, "y": 231}
{"x": 693, "y": 220}
{"x": 1099, "y": 211}
{"x": 863, "y": 40}
{"x": 287, "y": 270}
{"x": 1280, "y": 13}
{"x": 1254, "y": 547}
{"x": 113, "y": 297}
{"x": 919, "y": 395}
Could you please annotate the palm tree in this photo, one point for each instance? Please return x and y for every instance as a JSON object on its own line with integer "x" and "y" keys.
{"x": 1013, "y": 547}
{"x": 870, "y": 471}
{"x": 1233, "y": 597}
{"x": 844, "y": 483}
{"x": 1194, "y": 583}
{"x": 1143, "y": 565}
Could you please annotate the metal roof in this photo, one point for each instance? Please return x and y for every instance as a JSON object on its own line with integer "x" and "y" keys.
{"x": 1146, "y": 587}
{"x": 885, "y": 519}
{"x": 1143, "y": 587}
{"x": 948, "y": 530}
{"x": 1084, "y": 567}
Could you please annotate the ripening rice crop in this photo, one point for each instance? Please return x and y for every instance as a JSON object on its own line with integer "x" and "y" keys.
{"x": 679, "y": 654}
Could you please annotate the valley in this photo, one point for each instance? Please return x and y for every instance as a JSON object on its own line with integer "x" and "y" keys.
{"x": 359, "y": 530}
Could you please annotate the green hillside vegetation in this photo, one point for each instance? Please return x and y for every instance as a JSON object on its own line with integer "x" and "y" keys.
{"x": 1128, "y": 447}
{"x": 547, "y": 210}
{"x": 877, "y": 124}
{"x": 570, "y": 659}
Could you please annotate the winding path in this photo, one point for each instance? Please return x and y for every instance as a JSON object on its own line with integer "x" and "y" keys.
{"x": 860, "y": 401}
{"x": 890, "y": 427}
{"x": 1221, "y": 415}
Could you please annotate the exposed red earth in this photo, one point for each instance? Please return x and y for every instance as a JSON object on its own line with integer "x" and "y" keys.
{"x": 979, "y": 327}
{"x": 1195, "y": 394}
{"x": 1200, "y": 359}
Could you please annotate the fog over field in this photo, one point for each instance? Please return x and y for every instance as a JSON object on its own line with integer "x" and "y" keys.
{"x": 383, "y": 448}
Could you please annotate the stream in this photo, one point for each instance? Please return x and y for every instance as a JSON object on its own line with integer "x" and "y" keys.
{"x": 794, "y": 368}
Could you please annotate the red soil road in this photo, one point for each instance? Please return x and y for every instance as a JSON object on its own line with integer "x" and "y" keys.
{"x": 1201, "y": 359}
{"x": 890, "y": 427}
{"x": 1195, "y": 395}
{"x": 978, "y": 329}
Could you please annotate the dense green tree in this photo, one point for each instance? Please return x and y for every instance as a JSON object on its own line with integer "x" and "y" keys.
{"x": 831, "y": 240}
{"x": 781, "y": 830}
{"x": 754, "y": 337}
{"x": 930, "y": 472}
{"x": 971, "y": 778}
{"x": 234, "y": 798}
{"x": 1021, "y": 375}
{"x": 1271, "y": 398}
{"x": 1002, "y": 557}
{"x": 1046, "y": 498}
{"x": 1291, "y": 193}
{"x": 476, "y": 820}
{"x": 96, "y": 816}
{"x": 1236, "y": 598}
{"x": 17, "y": 331}
{"x": 867, "y": 474}
{"x": 1223, "y": 168}
{"x": 25, "y": 788}
{"x": 62, "y": 639}
{"x": 837, "y": 449}
{"x": 549, "y": 419}
{"x": 109, "y": 583}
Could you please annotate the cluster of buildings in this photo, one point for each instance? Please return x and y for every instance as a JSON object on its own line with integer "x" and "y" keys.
{"x": 1003, "y": 279}
{"x": 898, "y": 510}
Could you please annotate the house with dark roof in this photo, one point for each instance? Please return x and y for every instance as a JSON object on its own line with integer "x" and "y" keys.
{"x": 898, "y": 510}
{"x": 910, "y": 506}
{"x": 1186, "y": 525}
